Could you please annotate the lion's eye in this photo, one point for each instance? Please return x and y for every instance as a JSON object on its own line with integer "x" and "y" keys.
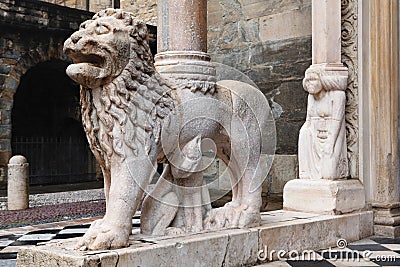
{"x": 102, "y": 29}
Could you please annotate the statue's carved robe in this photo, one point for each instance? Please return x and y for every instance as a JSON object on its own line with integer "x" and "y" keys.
{"x": 322, "y": 138}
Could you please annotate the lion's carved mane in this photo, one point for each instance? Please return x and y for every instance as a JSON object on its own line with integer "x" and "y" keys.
{"x": 134, "y": 102}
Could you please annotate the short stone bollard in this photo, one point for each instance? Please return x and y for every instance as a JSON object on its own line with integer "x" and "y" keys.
{"x": 18, "y": 183}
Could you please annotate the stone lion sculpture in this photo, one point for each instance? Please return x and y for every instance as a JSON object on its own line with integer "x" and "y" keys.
{"x": 126, "y": 108}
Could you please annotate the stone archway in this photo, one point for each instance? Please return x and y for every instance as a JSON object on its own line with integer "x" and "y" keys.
{"x": 18, "y": 65}
{"x": 47, "y": 127}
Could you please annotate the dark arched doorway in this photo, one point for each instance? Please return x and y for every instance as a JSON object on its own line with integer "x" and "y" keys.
{"x": 47, "y": 129}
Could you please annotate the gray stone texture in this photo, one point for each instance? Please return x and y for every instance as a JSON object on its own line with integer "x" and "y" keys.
{"x": 270, "y": 41}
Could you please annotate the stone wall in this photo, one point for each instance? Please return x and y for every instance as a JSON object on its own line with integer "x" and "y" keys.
{"x": 30, "y": 32}
{"x": 270, "y": 41}
{"x": 143, "y": 9}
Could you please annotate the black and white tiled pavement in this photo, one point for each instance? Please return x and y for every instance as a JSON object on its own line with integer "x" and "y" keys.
{"x": 9, "y": 243}
{"x": 367, "y": 252}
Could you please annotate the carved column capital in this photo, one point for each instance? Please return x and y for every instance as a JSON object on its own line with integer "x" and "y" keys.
{"x": 332, "y": 77}
{"x": 188, "y": 69}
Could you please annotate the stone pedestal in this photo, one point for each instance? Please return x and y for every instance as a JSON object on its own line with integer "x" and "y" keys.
{"x": 324, "y": 196}
{"x": 279, "y": 230}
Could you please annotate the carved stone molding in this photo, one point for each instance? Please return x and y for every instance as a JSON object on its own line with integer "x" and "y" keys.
{"x": 188, "y": 69}
{"x": 350, "y": 60}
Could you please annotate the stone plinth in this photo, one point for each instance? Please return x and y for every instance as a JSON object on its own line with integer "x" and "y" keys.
{"x": 18, "y": 183}
{"x": 387, "y": 219}
{"x": 324, "y": 196}
{"x": 284, "y": 230}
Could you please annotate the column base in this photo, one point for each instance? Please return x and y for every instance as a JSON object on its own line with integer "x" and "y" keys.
{"x": 387, "y": 219}
{"x": 189, "y": 69}
{"x": 324, "y": 196}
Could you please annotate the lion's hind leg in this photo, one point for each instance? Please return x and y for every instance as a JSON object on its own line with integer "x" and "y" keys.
{"x": 243, "y": 162}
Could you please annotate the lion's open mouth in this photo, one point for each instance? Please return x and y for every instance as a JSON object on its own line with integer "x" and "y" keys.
{"x": 89, "y": 70}
{"x": 91, "y": 59}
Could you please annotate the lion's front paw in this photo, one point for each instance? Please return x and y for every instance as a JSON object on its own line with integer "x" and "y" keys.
{"x": 102, "y": 235}
{"x": 232, "y": 217}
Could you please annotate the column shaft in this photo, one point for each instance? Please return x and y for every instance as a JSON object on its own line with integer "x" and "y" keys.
{"x": 384, "y": 112}
{"x": 326, "y": 31}
{"x": 182, "y": 24}
{"x": 182, "y": 44}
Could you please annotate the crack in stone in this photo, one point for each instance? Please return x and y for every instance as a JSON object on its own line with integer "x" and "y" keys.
{"x": 226, "y": 250}
{"x": 116, "y": 264}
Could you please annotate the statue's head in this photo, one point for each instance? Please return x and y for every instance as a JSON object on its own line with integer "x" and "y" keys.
{"x": 102, "y": 47}
{"x": 312, "y": 81}
{"x": 321, "y": 77}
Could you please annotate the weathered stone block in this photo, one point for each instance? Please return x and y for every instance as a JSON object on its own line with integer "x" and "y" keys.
{"x": 284, "y": 168}
{"x": 287, "y": 134}
{"x": 366, "y": 225}
{"x": 260, "y": 8}
{"x": 324, "y": 196}
{"x": 5, "y": 131}
{"x": 2, "y": 79}
{"x": 286, "y": 25}
{"x": 6, "y": 104}
{"x": 215, "y": 18}
{"x": 5, "y": 145}
{"x": 5, "y": 69}
{"x": 296, "y": 49}
{"x": 11, "y": 84}
{"x": 4, "y": 157}
{"x": 242, "y": 248}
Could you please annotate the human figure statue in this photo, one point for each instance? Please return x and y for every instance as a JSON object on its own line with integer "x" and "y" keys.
{"x": 322, "y": 138}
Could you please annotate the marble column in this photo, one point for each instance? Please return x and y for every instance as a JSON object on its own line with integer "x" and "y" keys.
{"x": 383, "y": 90}
{"x": 182, "y": 44}
{"x": 324, "y": 185}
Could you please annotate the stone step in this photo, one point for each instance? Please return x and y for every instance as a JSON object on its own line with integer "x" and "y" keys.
{"x": 280, "y": 230}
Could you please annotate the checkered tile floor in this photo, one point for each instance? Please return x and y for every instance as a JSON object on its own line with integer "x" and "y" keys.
{"x": 367, "y": 252}
{"x": 10, "y": 243}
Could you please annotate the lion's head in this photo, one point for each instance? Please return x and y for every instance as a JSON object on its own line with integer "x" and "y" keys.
{"x": 104, "y": 45}
{"x": 123, "y": 98}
